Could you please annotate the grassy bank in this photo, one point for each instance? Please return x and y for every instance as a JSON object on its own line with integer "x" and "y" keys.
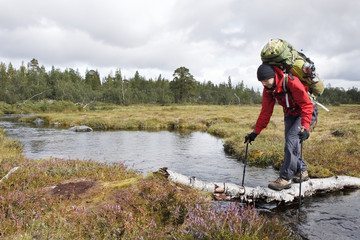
{"x": 73, "y": 199}
{"x": 333, "y": 147}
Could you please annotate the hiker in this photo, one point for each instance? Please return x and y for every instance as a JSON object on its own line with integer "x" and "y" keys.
{"x": 299, "y": 114}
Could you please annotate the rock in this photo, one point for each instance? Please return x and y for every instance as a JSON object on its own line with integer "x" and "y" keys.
{"x": 81, "y": 129}
{"x": 38, "y": 122}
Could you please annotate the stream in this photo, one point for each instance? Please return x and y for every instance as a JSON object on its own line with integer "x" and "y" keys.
{"x": 328, "y": 216}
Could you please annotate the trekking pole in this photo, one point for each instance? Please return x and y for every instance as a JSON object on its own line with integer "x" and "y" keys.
{"x": 315, "y": 101}
{"x": 301, "y": 153}
{"x": 246, "y": 152}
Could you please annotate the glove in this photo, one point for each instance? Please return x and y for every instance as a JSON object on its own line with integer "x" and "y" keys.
{"x": 303, "y": 135}
{"x": 250, "y": 137}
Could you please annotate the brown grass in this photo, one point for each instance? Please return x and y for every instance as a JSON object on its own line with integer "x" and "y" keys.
{"x": 332, "y": 149}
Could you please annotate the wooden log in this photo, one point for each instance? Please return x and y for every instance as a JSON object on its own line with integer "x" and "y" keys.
{"x": 234, "y": 192}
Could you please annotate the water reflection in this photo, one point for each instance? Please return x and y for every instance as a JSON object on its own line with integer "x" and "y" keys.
{"x": 327, "y": 216}
{"x": 190, "y": 153}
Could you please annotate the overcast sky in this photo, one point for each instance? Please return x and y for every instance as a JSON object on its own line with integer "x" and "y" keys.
{"x": 214, "y": 39}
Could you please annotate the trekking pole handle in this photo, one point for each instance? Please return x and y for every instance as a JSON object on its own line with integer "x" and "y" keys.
{"x": 302, "y": 129}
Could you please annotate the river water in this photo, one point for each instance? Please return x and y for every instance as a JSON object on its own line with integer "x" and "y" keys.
{"x": 331, "y": 216}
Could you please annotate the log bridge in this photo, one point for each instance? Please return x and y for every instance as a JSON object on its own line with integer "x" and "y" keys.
{"x": 233, "y": 192}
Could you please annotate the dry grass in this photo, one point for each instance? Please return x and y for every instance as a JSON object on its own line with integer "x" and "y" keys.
{"x": 333, "y": 148}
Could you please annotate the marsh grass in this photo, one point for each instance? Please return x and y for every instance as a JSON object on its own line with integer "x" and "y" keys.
{"x": 117, "y": 204}
{"x": 332, "y": 149}
{"x": 123, "y": 204}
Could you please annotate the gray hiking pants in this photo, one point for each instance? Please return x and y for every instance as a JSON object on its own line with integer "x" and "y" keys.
{"x": 291, "y": 164}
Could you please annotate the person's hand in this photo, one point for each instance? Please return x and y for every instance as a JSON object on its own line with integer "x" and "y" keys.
{"x": 250, "y": 137}
{"x": 303, "y": 135}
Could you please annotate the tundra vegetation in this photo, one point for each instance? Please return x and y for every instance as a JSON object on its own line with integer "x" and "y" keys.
{"x": 59, "y": 198}
{"x": 332, "y": 148}
{"x": 76, "y": 199}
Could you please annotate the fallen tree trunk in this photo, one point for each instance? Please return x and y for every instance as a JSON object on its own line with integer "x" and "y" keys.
{"x": 234, "y": 192}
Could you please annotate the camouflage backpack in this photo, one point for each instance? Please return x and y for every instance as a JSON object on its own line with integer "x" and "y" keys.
{"x": 280, "y": 53}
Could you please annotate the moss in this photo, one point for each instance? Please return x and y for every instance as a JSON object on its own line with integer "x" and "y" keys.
{"x": 319, "y": 171}
{"x": 121, "y": 184}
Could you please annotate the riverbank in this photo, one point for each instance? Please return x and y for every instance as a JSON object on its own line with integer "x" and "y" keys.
{"x": 331, "y": 150}
{"x": 73, "y": 199}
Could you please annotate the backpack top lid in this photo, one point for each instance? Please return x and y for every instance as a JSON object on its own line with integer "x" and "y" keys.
{"x": 278, "y": 52}
{"x": 281, "y": 53}
{"x": 274, "y": 47}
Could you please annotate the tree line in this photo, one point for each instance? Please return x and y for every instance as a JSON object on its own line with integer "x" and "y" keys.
{"x": 335, "y": 96}
{"x": 33, "y": 82}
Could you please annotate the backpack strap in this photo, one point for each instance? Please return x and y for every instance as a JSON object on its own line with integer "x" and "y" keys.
{"x": 285, "y": 88}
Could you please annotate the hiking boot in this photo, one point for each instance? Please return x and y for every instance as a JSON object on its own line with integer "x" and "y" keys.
{"x": 305, "y": 177}
{"x": 280, "y": 184}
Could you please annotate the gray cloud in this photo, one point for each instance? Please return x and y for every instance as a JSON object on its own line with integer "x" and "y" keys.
{"x": 214, "y": 39}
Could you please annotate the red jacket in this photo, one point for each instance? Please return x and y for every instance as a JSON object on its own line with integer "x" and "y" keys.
{"x": 299, "y": 101}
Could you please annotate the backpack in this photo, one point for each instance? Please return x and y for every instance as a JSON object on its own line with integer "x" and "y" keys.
{"x": 280, "y": 53}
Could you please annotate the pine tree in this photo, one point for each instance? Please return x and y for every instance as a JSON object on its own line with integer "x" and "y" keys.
{"x": 182, "y": 85}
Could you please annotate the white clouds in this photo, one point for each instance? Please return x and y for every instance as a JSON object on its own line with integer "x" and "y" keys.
{"x": 235, "y": 42}
{"x": 214, "y": 39}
